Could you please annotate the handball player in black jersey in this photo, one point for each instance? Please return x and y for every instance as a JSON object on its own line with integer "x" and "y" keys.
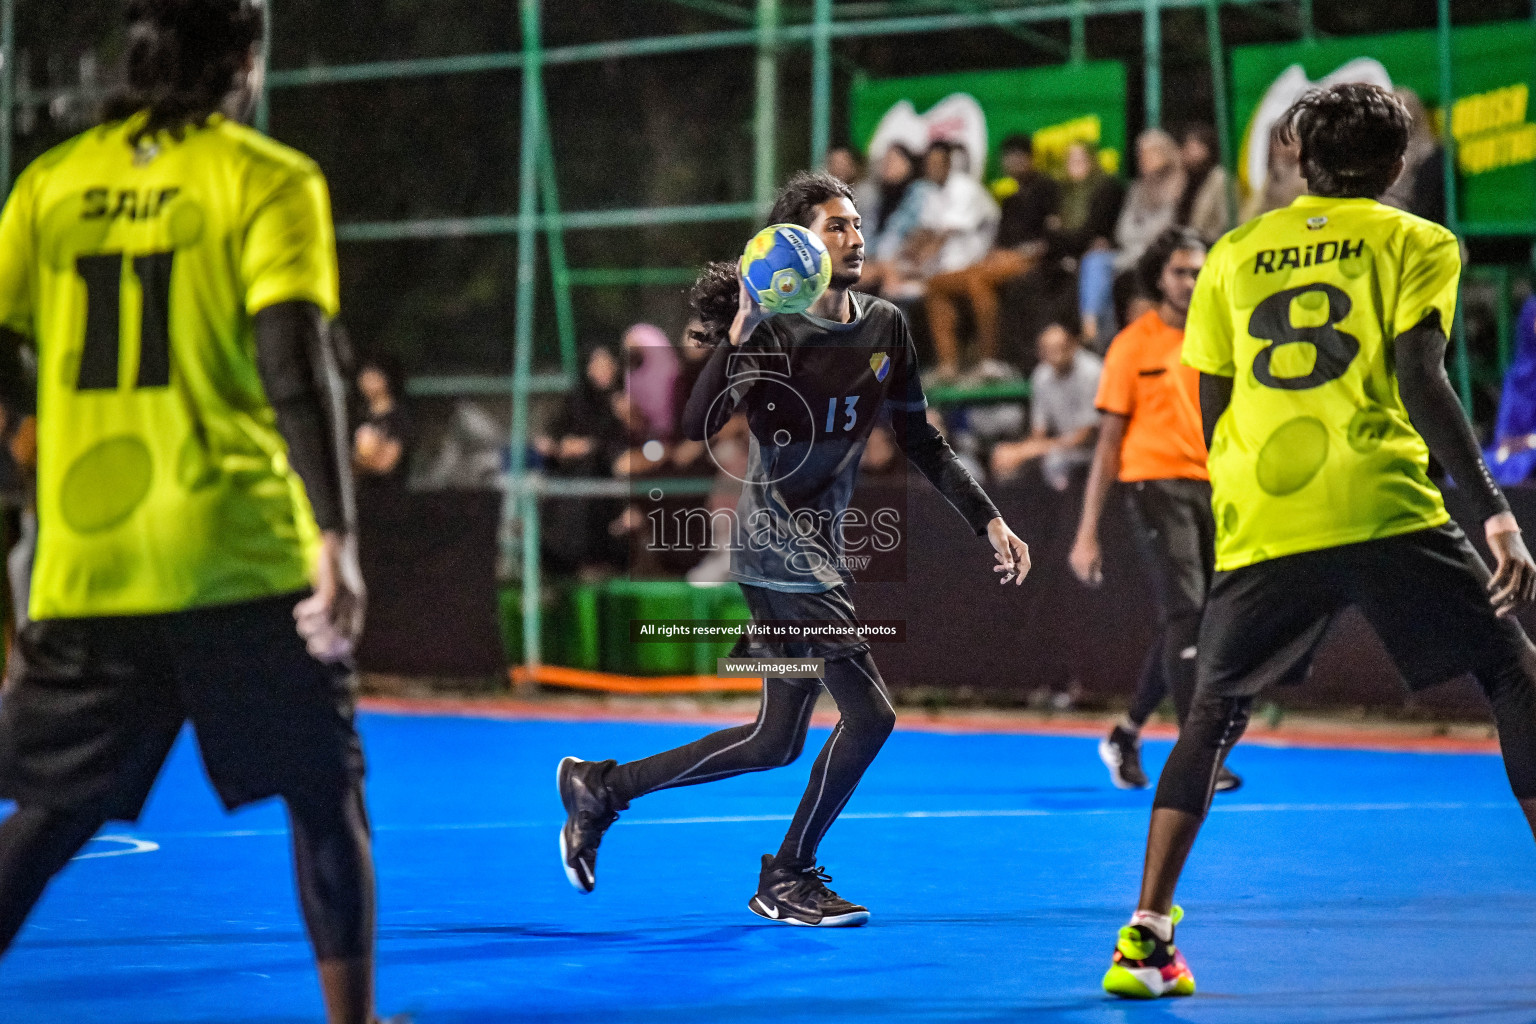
{"x": 812, "y": 386}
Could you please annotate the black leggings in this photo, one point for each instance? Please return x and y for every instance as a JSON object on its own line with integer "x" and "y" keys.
{"x": 774, "y": 740}
{"x": 1215, "y": 724}
{"x": 332, "y": 860}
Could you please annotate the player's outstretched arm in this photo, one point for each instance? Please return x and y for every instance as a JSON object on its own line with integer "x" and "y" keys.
{"x": 1419, "y": 359}
{"x": 926, "y": 449}
{"x": 299, "y": 371}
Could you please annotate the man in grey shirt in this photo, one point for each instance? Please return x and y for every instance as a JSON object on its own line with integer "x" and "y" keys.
{"x": 1062, "y": 414}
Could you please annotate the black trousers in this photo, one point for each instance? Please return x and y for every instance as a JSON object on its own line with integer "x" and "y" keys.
{"x": 1177, "y": 536}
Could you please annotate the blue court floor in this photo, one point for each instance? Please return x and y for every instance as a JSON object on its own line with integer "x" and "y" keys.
{"x": 1337, "y": 886}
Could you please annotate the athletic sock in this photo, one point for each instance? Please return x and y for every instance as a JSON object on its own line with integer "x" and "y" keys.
{"x": 1160, "y": 925}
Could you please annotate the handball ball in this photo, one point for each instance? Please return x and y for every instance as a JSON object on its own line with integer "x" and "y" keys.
{"x": 786, "y": 268}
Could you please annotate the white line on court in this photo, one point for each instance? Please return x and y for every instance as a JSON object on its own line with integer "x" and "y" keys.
{"x": 727, "y": 819}
{"x": 131, "y": 845}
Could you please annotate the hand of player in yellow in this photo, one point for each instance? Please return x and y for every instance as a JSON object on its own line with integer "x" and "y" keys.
{"x": 1012, "y": 553}
{"x": 1087, "y": 561}
{"x": 331, "y": 619}
{"x": 1514, "y": 576}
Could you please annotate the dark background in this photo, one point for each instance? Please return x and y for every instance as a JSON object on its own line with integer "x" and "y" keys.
{"x": 634, "y": 132}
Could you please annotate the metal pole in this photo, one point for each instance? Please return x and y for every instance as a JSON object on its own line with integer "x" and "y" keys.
{"x": 554, "y": 224}
{"x": 764, "y": 174}
{"x": 1308, "y": 25}
{"x": 1152, "y": 52}
{"x": 1078, "y": 24}
{"x": 522, "y": 360}
{"x": 1219, "y": 98}
{"x": 7, "y": 87}
{"x": 262, "y": 116}
{"x": 821, "y": 82}
{"x": 1463, "y": 362}
{"x": 533, "y": 656}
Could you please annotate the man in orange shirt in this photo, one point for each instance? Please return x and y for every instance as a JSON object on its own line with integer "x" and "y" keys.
{"x": 1150, "y": 439}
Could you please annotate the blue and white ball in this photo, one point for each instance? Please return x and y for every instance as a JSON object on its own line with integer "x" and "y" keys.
{"x": 786, "y": 268}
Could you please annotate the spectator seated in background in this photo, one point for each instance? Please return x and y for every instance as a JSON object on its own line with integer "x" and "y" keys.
{"x": 1030, "y": 201}
{"x": 843, "y": 163}
{"x": 1063, "y": 417}
{"x": 1151, "y": 204}
{"x": 587, "y": 439}
{"x": 891, "y": 220}
{"x": 1085, "y": 231}
{"x": 381, "y": 443}
{"x": 650, "y": 400}
{"x": 957, "y": 225}
{"x": 1512, "y": 457}
{"x": 1203, "y": 205}
{"x": 1283, "y": 182}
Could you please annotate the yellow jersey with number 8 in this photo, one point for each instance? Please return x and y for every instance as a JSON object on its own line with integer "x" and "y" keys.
{"x": 162, "y": 481}
{"x": 1300, "y": 307}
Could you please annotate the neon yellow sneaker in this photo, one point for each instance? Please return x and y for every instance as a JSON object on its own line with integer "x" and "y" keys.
{"x": 1146, "y": 967}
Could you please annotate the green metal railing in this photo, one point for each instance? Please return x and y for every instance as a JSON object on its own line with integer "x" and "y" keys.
{"x": 770, "y": 28}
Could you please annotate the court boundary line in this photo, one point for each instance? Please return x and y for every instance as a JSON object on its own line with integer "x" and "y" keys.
{"x": 513, "y": 709}
{"x": 1139, "y": 810}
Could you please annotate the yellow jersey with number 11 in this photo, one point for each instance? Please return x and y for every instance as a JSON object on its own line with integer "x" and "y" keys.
{"x": 1300, "y": 307}
{"x": 162, "y": 481}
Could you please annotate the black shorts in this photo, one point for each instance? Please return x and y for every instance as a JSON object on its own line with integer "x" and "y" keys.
{"x": 830, "y": 606}
{"x": 1424, "y": 593}
{"x": 93, "y": 705}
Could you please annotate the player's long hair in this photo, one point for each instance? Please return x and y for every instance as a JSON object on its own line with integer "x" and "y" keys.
{"x": 797, "y": 201}
{"x": 1352, "y": 136}
{"x": 714, "y": 299}
{"x": 1152, "y": 262}
{"x": 184, "y": 58}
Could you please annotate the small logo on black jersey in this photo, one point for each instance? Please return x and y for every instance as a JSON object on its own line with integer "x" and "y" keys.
{"x": 1316, "y": 223}
{"x": 881, "y": 364}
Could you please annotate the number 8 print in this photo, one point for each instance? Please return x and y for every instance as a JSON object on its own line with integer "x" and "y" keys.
{"x": 1271, "y": 322}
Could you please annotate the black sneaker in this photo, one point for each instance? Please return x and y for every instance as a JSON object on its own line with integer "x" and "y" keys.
{"x": 1121, "y": 753}
{"x": 1227, "y": 780}
{"x": 589, "y": 810}
{"x": 796, "y": 895}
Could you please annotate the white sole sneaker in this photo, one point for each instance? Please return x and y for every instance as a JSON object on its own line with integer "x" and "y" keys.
{"x": 571, "y": 874}
{"x": 1111, "y": 758}
{"x": 770, "y": 913}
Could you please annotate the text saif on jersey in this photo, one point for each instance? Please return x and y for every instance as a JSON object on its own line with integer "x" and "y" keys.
{"x": 133, "y": 204}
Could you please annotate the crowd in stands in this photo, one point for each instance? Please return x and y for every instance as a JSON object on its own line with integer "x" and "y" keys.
{"x": 1027, "y": 279}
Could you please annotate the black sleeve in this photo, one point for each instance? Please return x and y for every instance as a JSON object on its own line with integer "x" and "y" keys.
{"x": 1419, "y": 359}
{"x": 297, "y": 363}
{"x": 926, "y": 448}
{"x": 698, "y": 424}
{"x": 18, "y": 389}
{"x": 1215, "y": 396}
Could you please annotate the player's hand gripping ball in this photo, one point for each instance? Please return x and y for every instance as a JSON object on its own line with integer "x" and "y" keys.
{"x": 786, "y": 268}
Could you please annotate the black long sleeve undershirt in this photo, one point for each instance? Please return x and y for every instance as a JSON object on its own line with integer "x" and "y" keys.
{"x": 926, "y": 449}
{"x": 697, "y": 424}
{"x": 1419, "y": 358}
{"x": 298, "y": 368}
{"x": 1215, "y": 396}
